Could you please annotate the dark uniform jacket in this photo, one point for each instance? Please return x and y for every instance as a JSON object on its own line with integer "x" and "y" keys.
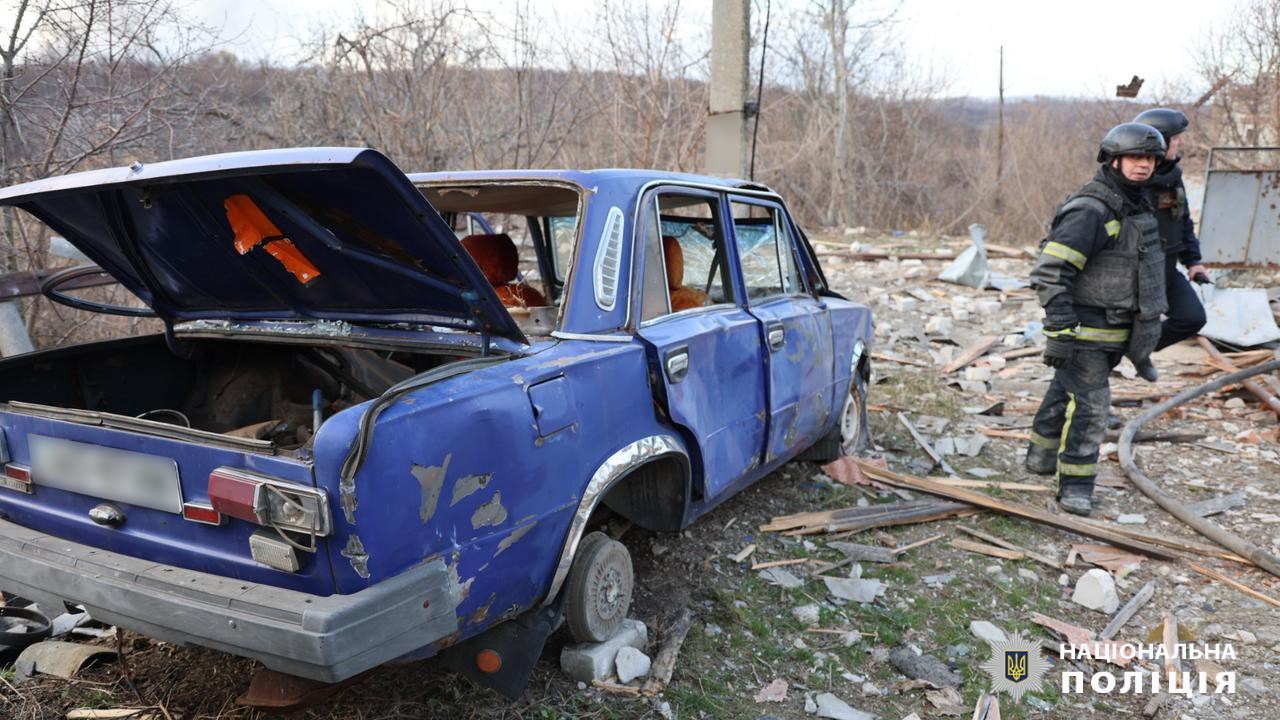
{"x": 1169, "y": 199}
{"x": 1082, "y": 230}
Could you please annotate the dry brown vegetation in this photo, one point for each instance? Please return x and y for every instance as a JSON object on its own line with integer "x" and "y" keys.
{"x": 851, "y": 132}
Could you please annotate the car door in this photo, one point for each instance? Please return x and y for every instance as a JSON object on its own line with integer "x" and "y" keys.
{"x": 795, "y": 325}
{"x": 705, "y": 348}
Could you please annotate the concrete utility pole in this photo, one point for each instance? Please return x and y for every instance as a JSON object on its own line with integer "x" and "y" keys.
{"x": 727, "y": 120}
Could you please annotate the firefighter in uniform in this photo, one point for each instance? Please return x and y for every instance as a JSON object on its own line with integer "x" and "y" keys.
{"x": 1185, "y": 316}
{"x": 1100, "y": 279}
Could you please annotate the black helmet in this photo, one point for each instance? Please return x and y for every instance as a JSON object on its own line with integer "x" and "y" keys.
{"x": 1168, "y": 121}
{"x": 1131, "y": 138}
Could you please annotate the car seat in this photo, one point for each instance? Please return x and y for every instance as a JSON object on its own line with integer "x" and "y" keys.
{"x": 498, "y": 260}
{"x": 682, "y": 298}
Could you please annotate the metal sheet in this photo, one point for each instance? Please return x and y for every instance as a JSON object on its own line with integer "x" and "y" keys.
{"x": 1241, "y": 317}
{"x": 1240, "y": 219}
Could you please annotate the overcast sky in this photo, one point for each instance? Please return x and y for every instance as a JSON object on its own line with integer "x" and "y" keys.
{"x": 1078, "y": 48}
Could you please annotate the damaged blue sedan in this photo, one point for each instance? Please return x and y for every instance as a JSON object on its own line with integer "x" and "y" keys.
{"x": 387, "y": 413}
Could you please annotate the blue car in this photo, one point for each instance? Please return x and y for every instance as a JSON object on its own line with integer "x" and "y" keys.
{"x": 361, "y": 437}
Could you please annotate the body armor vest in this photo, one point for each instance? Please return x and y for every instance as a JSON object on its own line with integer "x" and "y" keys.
{"x": 1126, "y": 278}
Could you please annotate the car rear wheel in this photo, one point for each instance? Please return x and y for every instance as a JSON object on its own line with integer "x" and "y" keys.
{"x": 851, "y": 435}
{"x": 598, "y": 592}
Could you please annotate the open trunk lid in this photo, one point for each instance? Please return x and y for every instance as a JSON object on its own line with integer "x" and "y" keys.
{"x": 325, "y": 233}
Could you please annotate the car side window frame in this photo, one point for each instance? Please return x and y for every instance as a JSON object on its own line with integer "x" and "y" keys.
{"x": 783, "y": 233}
{"x": 650, "y": 216}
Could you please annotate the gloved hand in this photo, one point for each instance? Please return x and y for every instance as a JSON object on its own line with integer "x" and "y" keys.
{"x": 1060, "y": 346}
{"x": 1059, "y": 314}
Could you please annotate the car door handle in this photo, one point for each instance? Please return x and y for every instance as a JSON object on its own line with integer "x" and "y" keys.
{"x": 677, "y": 362}
{"x": 777, "y": 336}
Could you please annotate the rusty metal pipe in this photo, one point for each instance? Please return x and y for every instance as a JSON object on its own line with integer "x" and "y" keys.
{"x": 1251, "y": 385}
{"x": 1173, "y": 506}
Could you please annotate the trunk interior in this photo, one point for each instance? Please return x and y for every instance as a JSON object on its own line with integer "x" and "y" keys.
{"x": 239, "y": 388}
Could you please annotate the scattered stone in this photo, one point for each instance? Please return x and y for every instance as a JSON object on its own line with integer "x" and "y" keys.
{"x": 595, "y": 661}
{"x": 958, "y": 651}
{"x": 987, "y": 631}
{"x": 982, "y": 473}
{"x": 775, "y": 691}
{"x": 982, "y": 374}
{"x": 806, "y": 614}
{"x": 938, "y": 325}
{"x": 781, "y": 577}
{"x": 870, "y": 688}
{"x": 712, "y": 629}
{"x": 1253, "y": 685}
{"x": 937, "y": 581}
{"x": 664, "y": 709}
{"x": 1028, "y": 575}
{"x": 1096, "y": 590}
{"x": 1234, "y": 404}
{"x": 923, "y": 667}
{"x": 810, "y": 706}
{"x": 631, "y": 664}
{"x": 1132, "y": 519}
{"x": 830, "y": 706}
{"x": 855, "y": 589}
{"x": 1243, "y": 636}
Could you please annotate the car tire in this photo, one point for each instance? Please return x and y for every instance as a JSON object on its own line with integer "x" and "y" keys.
{"x": 598, "y": 592}
{"x": 852, "y": 433}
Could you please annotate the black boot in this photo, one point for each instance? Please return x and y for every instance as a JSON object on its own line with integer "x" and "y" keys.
{"x": 1146, "y": 370}
{"x": 1041, "y": 460}
{"x": 1076, "y": 499}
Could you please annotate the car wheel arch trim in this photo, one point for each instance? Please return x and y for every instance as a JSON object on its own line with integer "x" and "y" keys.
{"x": 610, "y": 472}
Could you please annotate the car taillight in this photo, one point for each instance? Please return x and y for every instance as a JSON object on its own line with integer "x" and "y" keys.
{"x": 265, "y": 500}
{"x": 16, "y": 477}
{"x": 201, "y": 513}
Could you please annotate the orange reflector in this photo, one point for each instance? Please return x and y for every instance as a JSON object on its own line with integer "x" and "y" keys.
{"x": 21, "y": 473}
{"x": 488, "y": 661}
{"x": 197, "y": 512}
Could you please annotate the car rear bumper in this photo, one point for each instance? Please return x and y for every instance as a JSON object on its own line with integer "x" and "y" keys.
{"x": 324, "y": 638}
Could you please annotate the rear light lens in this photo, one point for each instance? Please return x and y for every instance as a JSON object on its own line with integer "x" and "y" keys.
{"x": 201, "y": 513}
{"x": 21, "y": 473}
{"x": 16, "y": 477}
{"x": 264, "y": 500}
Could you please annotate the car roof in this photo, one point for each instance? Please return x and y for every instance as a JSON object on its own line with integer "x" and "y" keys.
{"x": 587, "y": 178}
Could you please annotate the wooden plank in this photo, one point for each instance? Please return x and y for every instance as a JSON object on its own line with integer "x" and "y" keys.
{"x": 897, "y": 359}
{"x": 1027, "y": 512}
{"x": 1233, "y": 583}
{"x": 936, "y": 511}
{"x": 1001, "y": 542}
{"x": 967, "y": 483}
{"x": 1127, "y": 612}
{"x": 779, "y": 563}
{"x": 971, "y": 353}
{"x": 1021, "y": 352}
{"x": 1266, "y": 398}
{"x": 664, "y": 663}
{"x": 982, "y": 549}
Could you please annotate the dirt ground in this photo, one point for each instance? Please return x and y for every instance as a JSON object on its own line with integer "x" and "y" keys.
{"x": 746, "y": 634}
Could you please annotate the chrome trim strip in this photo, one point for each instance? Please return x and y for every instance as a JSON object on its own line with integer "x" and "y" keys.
{"x": 628, "y": 319}
{"x": 603, "y": 337}
{"x": 687, "y": 312}
{"x": 618, "y": 464}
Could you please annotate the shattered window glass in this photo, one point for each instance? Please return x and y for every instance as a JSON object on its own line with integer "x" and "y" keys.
{"x": 765, "y": 250}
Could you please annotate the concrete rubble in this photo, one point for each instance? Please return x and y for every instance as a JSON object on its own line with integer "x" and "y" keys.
{"x": 596, "y": 661}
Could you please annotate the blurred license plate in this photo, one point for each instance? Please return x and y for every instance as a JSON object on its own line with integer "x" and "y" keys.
{"x": 107, "y": 473}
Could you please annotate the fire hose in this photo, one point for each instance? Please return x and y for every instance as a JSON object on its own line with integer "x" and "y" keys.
{"x": 1173, "y": 506}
